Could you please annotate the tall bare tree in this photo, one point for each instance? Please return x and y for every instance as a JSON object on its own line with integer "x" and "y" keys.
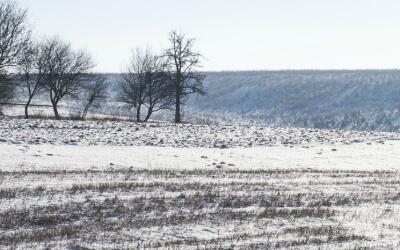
{"x": 64, "y": 70}
{"x": 14, "y": 36}
{"x": 94, "y": 90}
{"x": 29, "y": 71}
{"x": 183, "y": 61}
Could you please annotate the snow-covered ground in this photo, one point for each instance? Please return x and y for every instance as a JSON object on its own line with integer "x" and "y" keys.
{"x": 357, "y": 156}
{"x": 37, "y": 131}
{"x": 122, "y": 185}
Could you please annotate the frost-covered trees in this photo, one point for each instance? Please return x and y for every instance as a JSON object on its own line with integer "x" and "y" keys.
{"x": 64, "y": 70}
{"x": 145, "y": 84}
{"x": 182, "y": 61}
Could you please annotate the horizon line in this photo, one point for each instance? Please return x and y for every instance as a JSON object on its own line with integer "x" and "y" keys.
{"x": 275, "y": 70}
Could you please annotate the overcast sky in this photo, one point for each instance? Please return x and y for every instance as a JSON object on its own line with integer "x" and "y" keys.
{"x": 231, "y": 34}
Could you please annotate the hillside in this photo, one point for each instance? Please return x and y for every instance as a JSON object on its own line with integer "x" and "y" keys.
{"x": 365, "y": 100}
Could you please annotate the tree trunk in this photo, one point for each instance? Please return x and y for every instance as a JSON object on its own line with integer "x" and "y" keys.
{"x": 85, "y": 111}
{"x": 149, "y": 112}
{"x": 26, "y": 108}
{"x": 138, "y": 113}
{"x": 178, "y": 107}
{"x": 56, "y": 115}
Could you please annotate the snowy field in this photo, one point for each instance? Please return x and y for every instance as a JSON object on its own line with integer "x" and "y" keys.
{"x": 122, "y": 185}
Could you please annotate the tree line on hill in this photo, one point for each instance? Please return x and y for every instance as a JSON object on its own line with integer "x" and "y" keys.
{"x": 150, "y": 82}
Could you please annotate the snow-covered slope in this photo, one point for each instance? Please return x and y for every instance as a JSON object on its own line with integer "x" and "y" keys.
{"x": 366, "y": 100}
{"x": 360, "y": 100}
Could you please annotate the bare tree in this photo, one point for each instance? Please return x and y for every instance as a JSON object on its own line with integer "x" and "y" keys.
{"x": 94, "y": 90}
{"x": 146, "y": 84}
{"x": 14, "y": 36}
{"x": 14, "y": 33}
{"x": 29, "y": 71}
{"x": 64, "y": 70}
{"x": 132, "y": 85}
{"x": 159, "y": 93}
{"x": 183, "y": 61}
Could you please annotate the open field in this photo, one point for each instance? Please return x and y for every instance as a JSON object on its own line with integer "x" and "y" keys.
{"x": 63, "y": 185}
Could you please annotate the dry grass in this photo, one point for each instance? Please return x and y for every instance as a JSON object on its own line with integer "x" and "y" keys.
{"x": 212, "y": 209}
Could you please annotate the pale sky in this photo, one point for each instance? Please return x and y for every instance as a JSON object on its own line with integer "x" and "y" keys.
{"x": 231, "y": 34}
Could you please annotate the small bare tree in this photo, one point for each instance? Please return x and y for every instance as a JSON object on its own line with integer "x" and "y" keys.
{"x": 159, "y": 93}
{"x": 64, "y": 70}
{"x": 146, "y": 84}
{"x": 132, "y": 85}
{"x": 29, "y": 71}
{"x": 183, "y": 61}
{"x": 94, "y": 90}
